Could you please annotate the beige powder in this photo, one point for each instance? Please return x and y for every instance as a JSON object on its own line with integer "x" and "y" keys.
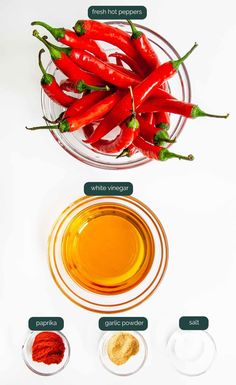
{"x": 121, "y": 346}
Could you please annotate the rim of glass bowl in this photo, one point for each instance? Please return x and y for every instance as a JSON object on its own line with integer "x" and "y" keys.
{"x": 92, "y": 157}
{"x": 100, "y": 303}
{"x": 25, "y": 354}
{"x": 102, "y": 345}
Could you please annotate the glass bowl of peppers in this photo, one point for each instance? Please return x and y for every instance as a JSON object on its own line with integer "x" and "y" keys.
{"x": 75, "y": 143}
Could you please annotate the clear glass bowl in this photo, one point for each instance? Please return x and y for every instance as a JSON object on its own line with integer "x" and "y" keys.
{"x": 73, "y": 143}
{"x": 191, "y": 352}
{"x": 133, "y": 365}
{"x": 39, "y": 367}
{"x": 103, "y": 303}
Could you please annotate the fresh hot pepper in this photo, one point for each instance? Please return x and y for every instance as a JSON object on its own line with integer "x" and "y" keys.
{"x": 156, "y": 152}
{"x": 83, "y": 104}
{"x": 141, "y": 93}
{"x": 128, "y": 131}
{"x": 93, "y": 29}
{"x": 144, "y": 47}
{"x": 152, "y": 134}
{"x": 70, "y": 69}
{"x": 94, "y": 113}
{"x": 122, "y": 140}
{"x": 69, "y": 38}
{"x": 51, "y": 88}
{"x": 188, "y": 110}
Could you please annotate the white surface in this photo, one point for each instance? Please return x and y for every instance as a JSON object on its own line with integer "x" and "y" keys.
{"x": 195, "y": 201}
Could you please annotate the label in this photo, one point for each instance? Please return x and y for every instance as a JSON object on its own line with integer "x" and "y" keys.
{"x": 193, "y": 323}
{"x": 123, "y": 323}
{"x": 115, "y": 12}
{"x": 108, "y": 188}
{"x": 46, "y": 323}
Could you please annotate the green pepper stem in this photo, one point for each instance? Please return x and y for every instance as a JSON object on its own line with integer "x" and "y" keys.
{"x": 54, "y": 127}
{"x": 177, "y": 63}
{"x": 58, "y": 120}
{"x": 135, "y": 32}
{"x": 78, "y": 28}
{"x": 46, "y": 78}
{"x": 66, "y": 50}
{"x": 197, "y": 112}
{"x": 166, "y": 154}
{"x": 162, "y": 137}
{"x": 63, "y": 126}
{"x": 133, "y": 121}
{"x": 57, "y": 33}
{"x": 55, "y": 53}
{"x": 81, "y": 86}
{"x": 40, "y": 62}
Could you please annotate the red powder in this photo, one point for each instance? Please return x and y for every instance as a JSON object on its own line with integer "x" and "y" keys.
{"x": 48, "y": 347}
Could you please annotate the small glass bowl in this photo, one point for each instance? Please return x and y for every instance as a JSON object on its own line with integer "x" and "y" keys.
{"x": 133, "y": 365}
{"x": 39, "y": 367}
{"x": 73, "y": 143}
{"x": 102, "y": 303}
{"x": 191, "y": 352}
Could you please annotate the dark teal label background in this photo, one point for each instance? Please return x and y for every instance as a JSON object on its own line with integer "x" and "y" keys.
{"x": 193, "y": 323}
{"x": 46, "y": 323}
{"x": 108, "y": 188}
{"x": 123, "y": 323}
{"x": 117, "y": 12}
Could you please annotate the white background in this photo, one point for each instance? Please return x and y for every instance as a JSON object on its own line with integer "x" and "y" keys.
{"x": 194, "y": 200}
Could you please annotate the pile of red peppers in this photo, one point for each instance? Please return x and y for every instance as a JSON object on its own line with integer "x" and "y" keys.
{"x": 131, "y": 93}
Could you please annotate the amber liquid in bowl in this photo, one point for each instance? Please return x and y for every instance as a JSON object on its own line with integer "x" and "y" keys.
{"x": 107, "y": 248}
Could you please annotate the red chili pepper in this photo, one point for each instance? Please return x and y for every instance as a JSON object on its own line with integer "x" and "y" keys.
{"x": 70, "y": 69}
{"x": 162, "y": 120}
{"x": 134, "y": 66}
{"x": 155, "y": 152}
{"x": 152, "y": 134}
{"x": 83, "y": 104}
{"x": 122, "y": 140}
{"x": 93, "y": 29}
{"x": 141, "y": 93}
{"x": 69, "y": 38}
{"x": 188, "y": 110}
{"x": 102, "y": 69}
{"x": 51, "y": 88}
{"x": 94, "y": 113}
{"x": 128, "y": 132}
{"x": 143, "y": 47}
